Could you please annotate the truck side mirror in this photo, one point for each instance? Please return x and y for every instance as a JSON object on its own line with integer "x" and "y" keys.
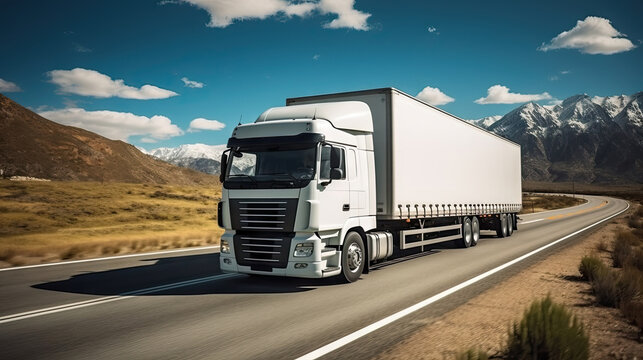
{"x": 336, "y": 174}
{"x": 224, "y": 166}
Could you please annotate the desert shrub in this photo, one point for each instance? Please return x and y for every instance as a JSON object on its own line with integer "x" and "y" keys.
{"x": 602, "y": 246}
{"x": 548, "y": 331}
{"x": 605, "y": 286}
{"x": 633, "y": 310}
{"x": 70, "y": 253}
{"x": 622, "y": 248}
{"x": 589, "y": 266}
{"x": 630, "y": 283}
{"x": 472, "y": 354}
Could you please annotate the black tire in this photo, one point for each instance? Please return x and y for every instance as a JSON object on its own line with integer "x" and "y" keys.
{"x": 510, "y": 224}
{"x": 475, "y": 229}
{"x": 353, "y": 257}
{"x": 501, "y": 226}
{"x": 467, "y": 233}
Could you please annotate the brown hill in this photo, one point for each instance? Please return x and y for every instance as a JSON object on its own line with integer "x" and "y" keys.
{"x": 31, "y": 145}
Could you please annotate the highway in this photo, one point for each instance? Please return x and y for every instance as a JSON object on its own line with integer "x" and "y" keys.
{"x": 179, "y": 305}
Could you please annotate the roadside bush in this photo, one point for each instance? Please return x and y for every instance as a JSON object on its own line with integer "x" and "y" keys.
{"x": 548, "y": 331}
{"x": 589, "y": 266}
{"x": 602, "y": 246}
{"x": 622, "y": 248}
{"x": 630, "y": 283}
{"x": 605, "y": 286}
{"x": 473, "y": 354}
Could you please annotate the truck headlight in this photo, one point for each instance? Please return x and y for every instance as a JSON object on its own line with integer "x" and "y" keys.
{"x": 225, "y": 247}
{"x": 304, "y": 250}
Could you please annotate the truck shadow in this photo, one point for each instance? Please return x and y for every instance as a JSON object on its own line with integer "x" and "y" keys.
{"x": 171, "y": 270}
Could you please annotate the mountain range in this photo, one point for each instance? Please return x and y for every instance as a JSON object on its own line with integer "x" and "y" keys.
{"x": 590, "y": 140}
{"x": 33, "y": 146}
{"x": 585, "y": 139}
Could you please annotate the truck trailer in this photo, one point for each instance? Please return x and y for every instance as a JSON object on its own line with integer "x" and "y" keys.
{"x": 331, "y": 184}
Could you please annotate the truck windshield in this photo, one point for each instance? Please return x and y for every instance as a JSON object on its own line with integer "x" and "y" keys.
{"x": 271, "y": 168}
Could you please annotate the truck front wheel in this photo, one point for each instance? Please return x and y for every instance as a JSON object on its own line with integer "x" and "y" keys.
{"x": 353, "y": 257}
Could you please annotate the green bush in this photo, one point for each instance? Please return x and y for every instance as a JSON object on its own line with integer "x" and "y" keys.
{"x": 548, "y": 331}
{"x": 473, "y": 354}
{"x": 589, "y": 266}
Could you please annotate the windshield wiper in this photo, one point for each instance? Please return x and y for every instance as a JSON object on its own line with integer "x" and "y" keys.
{"x": 296, "y": 181}
{"x": 244, "y": 175}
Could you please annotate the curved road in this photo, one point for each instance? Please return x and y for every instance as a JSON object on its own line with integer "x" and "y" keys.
{"x": 178, "y": 305}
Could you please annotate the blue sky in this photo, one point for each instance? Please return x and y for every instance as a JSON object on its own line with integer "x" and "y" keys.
{"x": 251, "y": 55}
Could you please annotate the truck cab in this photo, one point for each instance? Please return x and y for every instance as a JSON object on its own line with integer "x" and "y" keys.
{"x": 298, "y": 192}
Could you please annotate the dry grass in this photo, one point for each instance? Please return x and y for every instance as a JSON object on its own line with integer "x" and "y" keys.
{"x": 540, "y": 202}
{"x": 49, "y": 221}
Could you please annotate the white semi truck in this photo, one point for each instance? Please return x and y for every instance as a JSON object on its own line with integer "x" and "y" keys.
{"x": 330, "y": 184}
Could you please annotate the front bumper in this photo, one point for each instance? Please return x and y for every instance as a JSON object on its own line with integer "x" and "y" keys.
{"x": 314, "y": 266}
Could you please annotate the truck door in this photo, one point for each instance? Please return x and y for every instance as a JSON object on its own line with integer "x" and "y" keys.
{"x": 334, "y": 197}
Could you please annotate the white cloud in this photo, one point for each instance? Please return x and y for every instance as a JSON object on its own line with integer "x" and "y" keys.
{"x": 8, "y": 86}
{"x": 347, "y": 15}
{"x": 565, "y": 72}
{"x": 553, "y": 78}
{"x": 225, "y": 12}
{"x": 316, "y": 57}
{"x": 594, "y": 35}
{"x": 85, "y": 82}
{"x": 115, "y": 125}
{"x": 192, "y": 84}
{"x": 434, "y": 96}
{"x": 499, "y": 94}
{"x": 431, "y": 29}
{"x": 205, "y": 124}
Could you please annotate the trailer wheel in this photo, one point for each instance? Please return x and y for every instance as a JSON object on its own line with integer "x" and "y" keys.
{"x": 475, "y": 229}
{"x": 467, "y": 235}
{"x": 510, "y": 224}
{"x": 501, "y": 226}
{"x": 353, "y": 257}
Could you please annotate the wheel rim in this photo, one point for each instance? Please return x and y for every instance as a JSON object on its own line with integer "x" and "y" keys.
{"x": 510, "y": 225}
{"x": 475, "y": 228}
{"x": 354, "y": 257}
{"x": 467, "y": 232}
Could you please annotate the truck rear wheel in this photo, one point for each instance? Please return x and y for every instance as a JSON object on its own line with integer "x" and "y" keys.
{"x": 353, "y": 257}
{"x": 501, "y": 226}
{"x": 475, "y": 229}
{"x": 467, "y": 233}
{"x": 510, "y": 224}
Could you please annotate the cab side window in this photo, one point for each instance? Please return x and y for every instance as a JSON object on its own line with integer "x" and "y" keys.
{"x": 325, "y": 165}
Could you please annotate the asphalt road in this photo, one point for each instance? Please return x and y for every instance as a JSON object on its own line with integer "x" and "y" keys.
{"x": 178, "y": 305}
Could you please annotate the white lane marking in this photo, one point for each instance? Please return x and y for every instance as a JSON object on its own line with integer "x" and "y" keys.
{"x": 106, "y": 299}
{"x": 111, "y": 258}
{"x": 532, "y": 221}
{"x": 402, "y": 313}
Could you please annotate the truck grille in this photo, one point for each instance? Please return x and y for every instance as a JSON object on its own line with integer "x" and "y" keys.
{"x": 263, "y": 214}
{"x": 262, "y": 252}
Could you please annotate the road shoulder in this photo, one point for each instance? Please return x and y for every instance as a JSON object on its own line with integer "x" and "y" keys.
{"x": 483, "y": 321}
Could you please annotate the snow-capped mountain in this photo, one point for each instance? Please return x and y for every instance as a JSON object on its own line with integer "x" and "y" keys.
{"x": 485, "y": 122}
{"x": 585, "y": 139}
{"x": 200, "y": 157}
